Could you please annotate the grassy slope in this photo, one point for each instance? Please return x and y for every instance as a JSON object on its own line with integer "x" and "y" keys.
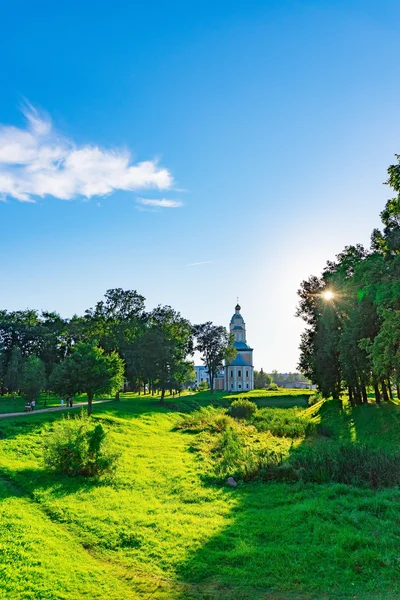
{"x": 264, "y": 398}
{"x": 162, "y": 531}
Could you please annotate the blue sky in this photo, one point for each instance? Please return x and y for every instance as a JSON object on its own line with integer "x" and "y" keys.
{"x": 264, "y": 130}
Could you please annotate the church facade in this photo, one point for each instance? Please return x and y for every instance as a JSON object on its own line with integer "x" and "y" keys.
{"x": 238, "y": 374}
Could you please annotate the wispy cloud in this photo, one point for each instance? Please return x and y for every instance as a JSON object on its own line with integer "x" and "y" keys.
{"x": 162, "y": 203}
{"x": 36, "y": 161}
{"x": 202, "y": 262}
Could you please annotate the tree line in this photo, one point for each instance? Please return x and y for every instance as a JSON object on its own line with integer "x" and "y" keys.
{"x": 352, "y": 312}
{"x": 116, "y": 341}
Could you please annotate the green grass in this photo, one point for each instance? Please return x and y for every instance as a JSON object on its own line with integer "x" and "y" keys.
{"x": 17, "y": 404}
{"x": 163, "y": 530}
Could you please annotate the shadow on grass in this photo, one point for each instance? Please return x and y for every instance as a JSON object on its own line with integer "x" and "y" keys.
{"x": 303, "y": 541}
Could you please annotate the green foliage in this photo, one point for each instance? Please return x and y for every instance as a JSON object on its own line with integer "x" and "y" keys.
{"x": 203, "y": 385}
{"x": 33, "y": 378}
{"x": 261, "y": 379}
{"x": 283, "y": 422}
{"x": 78, "y": 446}
{"x": 200, "y": 420}
{"x": 215, "y": 345}
{"x": 242, "y": 408}
{"x": 88, "y": 370}
{"x": 273, "y": 386}
{"x": 13, "y": 372}
{"x": 355, "y": 464}
{"x": 352, "y": 339}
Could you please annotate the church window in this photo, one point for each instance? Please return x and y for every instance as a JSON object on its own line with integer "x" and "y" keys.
{"x": 231, "y": 373}
{"x": 231, "y": 386}
{"x": 247, "y": 386}
{"x": 247, "y": 373}
{"x": 240, "y": 386}
{"x": 239, "y": 373}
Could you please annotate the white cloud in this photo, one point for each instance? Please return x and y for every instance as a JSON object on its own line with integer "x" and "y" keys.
{"x": 36, "y": 161}
{"x": 163, "y": 203}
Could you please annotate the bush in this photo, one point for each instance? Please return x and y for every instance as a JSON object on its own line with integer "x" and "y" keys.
{"x": 314, "y": 398}
{"x": 348, "y": 463}
{"x": 273, "y": 386}
{"x": 206, "y": 417}
{"x": 242, "y": 409}
{"x": 240, "y": 461}
{"x": 283, "y": 422}
{"x": 78, "y": 446}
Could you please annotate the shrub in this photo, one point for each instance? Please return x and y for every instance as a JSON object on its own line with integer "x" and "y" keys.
{"x": 348, "y": 463}
{"x": 206, "y": 417}
{"x": 273, "y": 386}
{"x": 78, "y": 446}
{"x": 283, "y": 422}
{"x": 242, "y": 462}
{"x": 314, "y": 398}
{"x": 242, "y": 409}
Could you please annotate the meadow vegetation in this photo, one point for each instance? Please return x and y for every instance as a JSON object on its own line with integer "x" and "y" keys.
{"x": 166, "y": 526}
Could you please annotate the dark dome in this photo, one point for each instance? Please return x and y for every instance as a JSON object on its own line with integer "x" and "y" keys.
{"x": 237, "y": 307}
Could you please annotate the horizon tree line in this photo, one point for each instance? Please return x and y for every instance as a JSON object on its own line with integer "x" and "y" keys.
{"x": 115, "y": 341}
{"x": 352, "y": 313}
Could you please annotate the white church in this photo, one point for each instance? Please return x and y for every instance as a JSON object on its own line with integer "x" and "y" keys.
{"x": 238, "y": 375}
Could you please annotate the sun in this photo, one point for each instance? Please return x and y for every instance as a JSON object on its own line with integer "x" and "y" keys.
{"x": 328, "y": 295}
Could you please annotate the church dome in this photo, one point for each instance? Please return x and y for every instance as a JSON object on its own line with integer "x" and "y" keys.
{"x": 237, "y": 307}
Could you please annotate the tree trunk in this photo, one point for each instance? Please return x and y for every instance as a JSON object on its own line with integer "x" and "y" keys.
{"x": 351, "y": 398}
{"x": 162, "y": 395}
{"x": 390, "y": 389}
{"x": 357, "y": 395}
{"x": 377, "y": 393}
{"x": 384, "y": 391}
{"x": 211, "y": 381}
{"x": 398, "y": 391}
{"x": 117, "y": 396}
{"x": 364, "y": 394}
{"x": 139, "y": 387}
{"x": 89, "y": 405}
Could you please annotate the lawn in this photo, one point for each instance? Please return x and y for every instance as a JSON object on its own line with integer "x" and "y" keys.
{"x": 163, "y": 530}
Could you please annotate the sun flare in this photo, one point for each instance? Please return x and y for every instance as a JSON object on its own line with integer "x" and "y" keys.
{"x": 328, "y": 295}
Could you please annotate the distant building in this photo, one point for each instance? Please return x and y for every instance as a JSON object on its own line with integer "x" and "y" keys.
{"x": 201, "y": 375}
{"x": 238, "y": 374}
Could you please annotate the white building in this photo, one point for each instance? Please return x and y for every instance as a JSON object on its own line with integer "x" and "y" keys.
{"x": 201, "y": 375}
{"x": 238, "y": 374}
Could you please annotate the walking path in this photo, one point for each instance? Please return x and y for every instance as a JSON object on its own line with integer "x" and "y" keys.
{"x": 52, "y": 409}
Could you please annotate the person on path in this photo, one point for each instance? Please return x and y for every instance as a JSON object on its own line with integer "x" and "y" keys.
{"x": 33, "y": 404}
{"x": 62, "y": 401}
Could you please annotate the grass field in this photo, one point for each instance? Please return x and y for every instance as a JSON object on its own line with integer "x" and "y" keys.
{"x": 284, "y": 398}
{"x": 163, "y": 530}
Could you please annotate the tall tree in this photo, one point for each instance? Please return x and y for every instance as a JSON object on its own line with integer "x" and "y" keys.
{"x": 14, "y": 369}
{"x": 33, "y": 378}
{"x": 215, "y": 345}
{"x": 261, "y": 379}
{"x": 88, "y": 370}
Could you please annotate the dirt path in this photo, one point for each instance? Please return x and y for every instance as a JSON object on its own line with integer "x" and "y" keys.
{"x": 52, "y": 409}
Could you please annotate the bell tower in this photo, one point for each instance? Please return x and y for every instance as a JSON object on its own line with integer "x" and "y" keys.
{"x": 239, "y": 374}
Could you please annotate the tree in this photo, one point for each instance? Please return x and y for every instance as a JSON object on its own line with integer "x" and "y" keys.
{"x": 216, "y": 346}
{"x": 352, "y": 340}
{"x": 261, "y": 379}
{"x": 13, "y": 372}
{"x": 166, "y": 343}
{"x": 88, "y": 370}
{"x": 33, "y": 378}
